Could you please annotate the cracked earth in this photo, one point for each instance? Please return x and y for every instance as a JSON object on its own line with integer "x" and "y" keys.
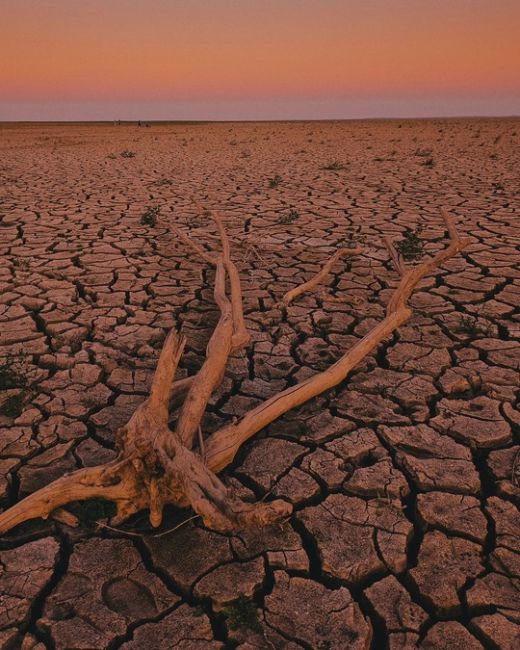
{"x": 405, "y": 479}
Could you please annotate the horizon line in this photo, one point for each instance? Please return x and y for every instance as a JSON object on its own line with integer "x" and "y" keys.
{"x": 267, "y": 120}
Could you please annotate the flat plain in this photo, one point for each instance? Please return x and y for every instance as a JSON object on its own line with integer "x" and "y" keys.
{"x": 405, "y": 479}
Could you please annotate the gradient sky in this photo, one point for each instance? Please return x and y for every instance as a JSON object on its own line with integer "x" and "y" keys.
{"x": 258, "y": 59}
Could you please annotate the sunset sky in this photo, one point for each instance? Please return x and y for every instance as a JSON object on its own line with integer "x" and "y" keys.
{"x": 257, "y": 59}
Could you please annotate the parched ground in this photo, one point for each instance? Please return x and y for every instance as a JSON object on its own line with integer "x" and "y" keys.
{"x": 405, "y": 479}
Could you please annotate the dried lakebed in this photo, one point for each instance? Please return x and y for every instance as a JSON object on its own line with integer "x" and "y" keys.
{"x": 404, "y": 479}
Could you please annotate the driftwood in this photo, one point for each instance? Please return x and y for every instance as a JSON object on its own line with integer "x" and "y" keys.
{"x": 320, "y": 276}
{"x": 156, "y": 466}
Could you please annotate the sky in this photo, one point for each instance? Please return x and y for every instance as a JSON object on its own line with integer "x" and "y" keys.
{"x": 257, "y": 59}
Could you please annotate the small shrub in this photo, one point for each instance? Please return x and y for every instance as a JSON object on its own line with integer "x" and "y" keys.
{"x": 14, "y": 375}
{"x": 23, "y": 264}
{"x": 242, "y": 615}
{"x": 275, "y": 181}
{"x": 127, "y": 154}
{"x": 428, "y": 162}
{"x": 411, "y": 247}
{"x": 334, "y": 166}
{"x": 12, "y": 372}
{"x": 149, "y": 218}
{"x": 470, "y": 326}
{"x": 13, "y": 405}
{"x": 292, "y": 216}
{"x": 423, "y": 153}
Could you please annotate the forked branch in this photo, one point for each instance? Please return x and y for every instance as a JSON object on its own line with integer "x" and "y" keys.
{"x": 222, "y": 446}
{"x": 156, "y": 465}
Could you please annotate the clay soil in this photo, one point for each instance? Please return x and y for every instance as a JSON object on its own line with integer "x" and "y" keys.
{"x": 404, "y": 479}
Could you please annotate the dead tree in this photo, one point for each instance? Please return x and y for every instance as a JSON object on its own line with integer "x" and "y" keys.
{"x": 156, "y": 465}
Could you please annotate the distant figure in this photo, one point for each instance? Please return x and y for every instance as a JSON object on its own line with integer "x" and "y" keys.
{"x": 139, "y": 123}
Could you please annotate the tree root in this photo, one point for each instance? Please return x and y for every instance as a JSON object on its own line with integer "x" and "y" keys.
{"x": 156, "y": 466}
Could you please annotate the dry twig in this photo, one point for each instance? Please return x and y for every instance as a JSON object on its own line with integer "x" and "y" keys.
{"x": 320, "y": 276}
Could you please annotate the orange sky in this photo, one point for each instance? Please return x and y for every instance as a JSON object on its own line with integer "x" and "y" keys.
{"x": 133, "y": 54}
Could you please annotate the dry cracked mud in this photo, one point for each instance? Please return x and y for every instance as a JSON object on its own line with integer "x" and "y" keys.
{"x": 405, "y": 479}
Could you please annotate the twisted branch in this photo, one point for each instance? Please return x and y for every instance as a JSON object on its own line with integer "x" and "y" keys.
{"x": 156, "y": 466}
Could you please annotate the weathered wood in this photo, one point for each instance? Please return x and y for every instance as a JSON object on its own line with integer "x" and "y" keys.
{"x": 320, "y": 276}
{"x": 156, "y": 466}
